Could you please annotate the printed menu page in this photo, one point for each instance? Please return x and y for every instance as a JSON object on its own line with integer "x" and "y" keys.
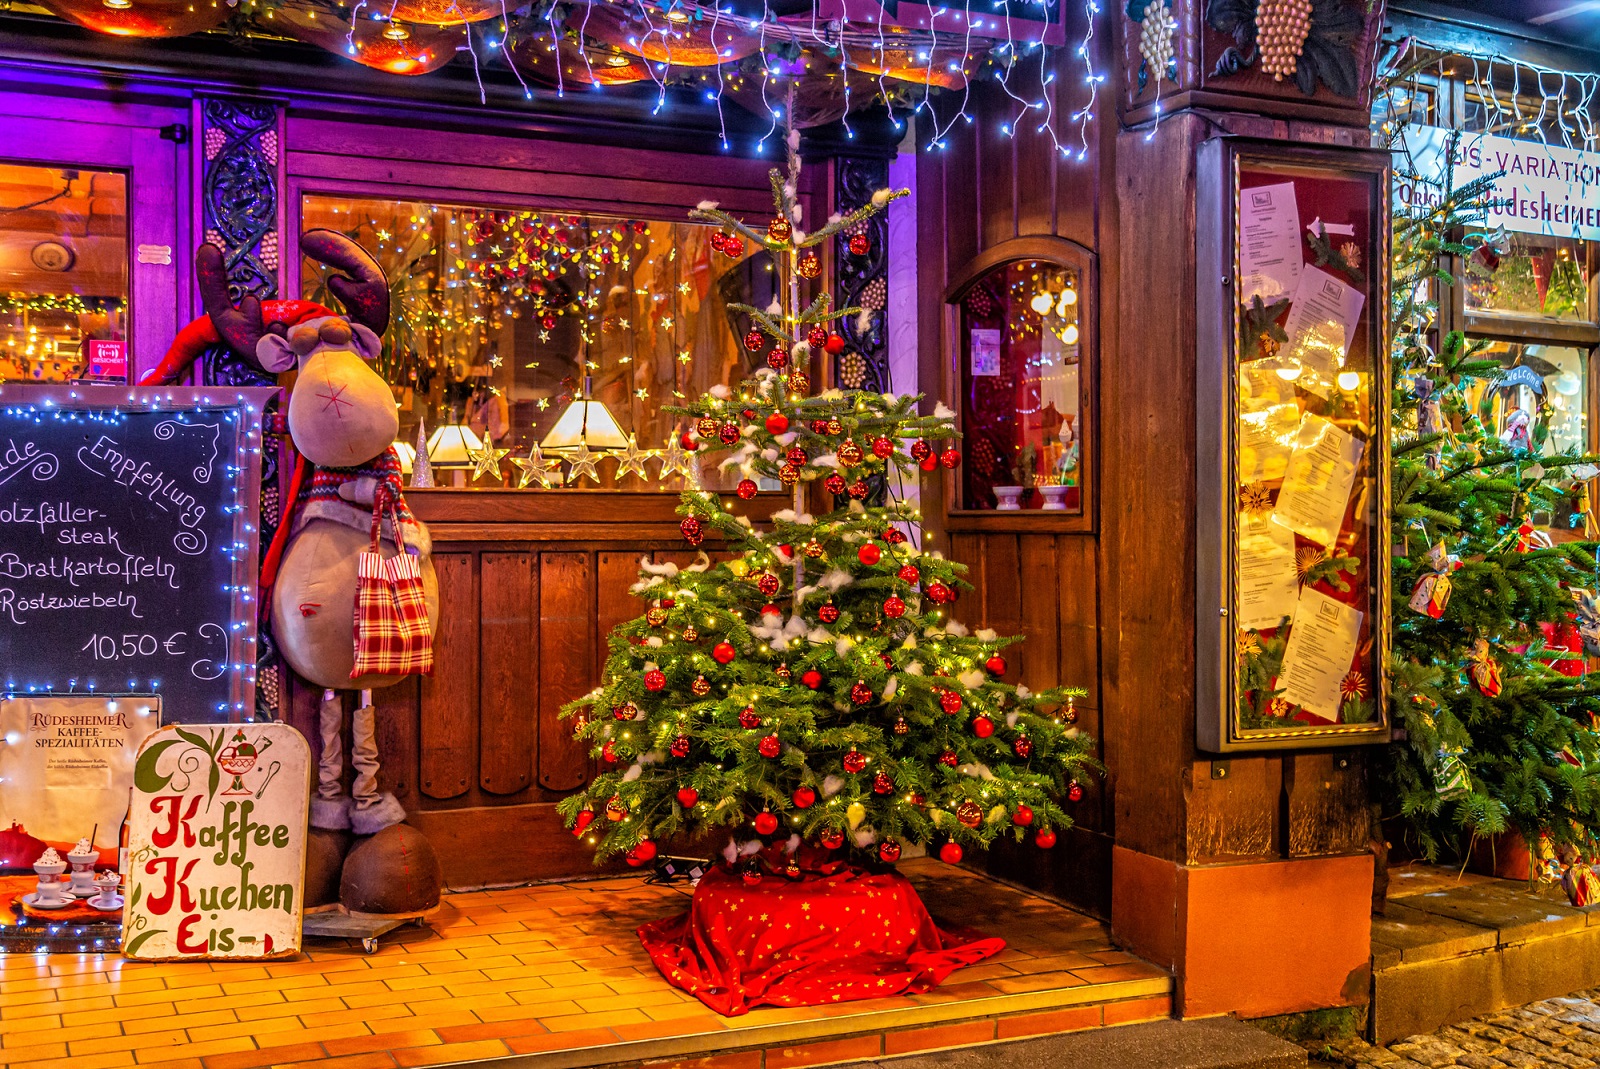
{"x": 1316, "y": 490}
{"x": 1318, "y": 653}
{"x": 1322, "y": 323}
{"x": 1267, "y": 580}
{"x": 1269, "y": 242}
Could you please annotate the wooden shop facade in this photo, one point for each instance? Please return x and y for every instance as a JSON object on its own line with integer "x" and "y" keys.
{"x": 1081, "y": 296}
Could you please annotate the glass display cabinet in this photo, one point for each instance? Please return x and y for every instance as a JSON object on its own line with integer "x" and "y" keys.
{"x": 1292, "y": 429}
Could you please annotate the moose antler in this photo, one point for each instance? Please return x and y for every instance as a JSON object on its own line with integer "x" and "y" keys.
{"x": 239, "y": 328}
{"x": 362, "y": 288}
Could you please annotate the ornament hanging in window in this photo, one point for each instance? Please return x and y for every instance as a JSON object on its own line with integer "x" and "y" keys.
{"x": 809, "y": 266}
{"x": 804, "y": 797}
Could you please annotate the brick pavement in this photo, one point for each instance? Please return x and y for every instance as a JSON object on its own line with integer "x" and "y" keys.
{"x": 1555, "y": 1032}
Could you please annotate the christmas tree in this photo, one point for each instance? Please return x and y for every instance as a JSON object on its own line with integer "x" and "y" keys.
{"x": 815, "y": 687}
{"x": 1486, "y": 660}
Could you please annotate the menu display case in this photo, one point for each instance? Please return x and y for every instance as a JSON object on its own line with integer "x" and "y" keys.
{"x": 1292, "y": 577}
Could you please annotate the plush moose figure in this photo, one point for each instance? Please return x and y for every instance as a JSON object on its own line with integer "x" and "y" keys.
{"x": 345, "y": 486}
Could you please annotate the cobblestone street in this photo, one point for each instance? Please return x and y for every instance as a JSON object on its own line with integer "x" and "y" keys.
{"x": 1558, "y": 1031}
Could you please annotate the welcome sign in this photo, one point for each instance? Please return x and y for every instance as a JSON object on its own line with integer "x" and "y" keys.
{"x": 1541, "y": 189}
{"x": 217, "y": 843}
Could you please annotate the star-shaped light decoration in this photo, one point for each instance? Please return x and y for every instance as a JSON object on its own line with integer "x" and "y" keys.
{"x": 581, "y": 461}
{"x": 632, "y": 459}
{"x": 683, "y": 287}
{"x": 673, "y": 457}
{"x": 486, "y": 461}
{"x": 544, "y": 403}
{"x": 495, "y": 360}
{"x": 534, "y": 466}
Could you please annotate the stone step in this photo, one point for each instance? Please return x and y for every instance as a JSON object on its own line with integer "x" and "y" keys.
{"x": 1214, "y": 1043}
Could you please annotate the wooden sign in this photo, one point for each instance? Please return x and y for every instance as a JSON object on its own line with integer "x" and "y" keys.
{"x": 128, "y": 538}
{"x": 66, "y": 767}
{"x": 217, "y": 843}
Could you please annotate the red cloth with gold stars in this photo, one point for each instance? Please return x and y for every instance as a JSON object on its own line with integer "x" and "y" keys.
{"x": 810, "y": 941}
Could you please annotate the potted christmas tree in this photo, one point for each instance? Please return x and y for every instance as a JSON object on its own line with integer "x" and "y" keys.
{"x": 811, "y": 707}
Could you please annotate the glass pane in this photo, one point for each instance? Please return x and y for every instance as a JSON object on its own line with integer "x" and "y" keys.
{"x": 1306, "y": 453}
{"x": 1525, "y": 117}
{"x": 63, "y": 274}
{"x": 498, "y": 317}
{"x": 1529, "y": 275}
{"x": 1403, "y": 105}
{"x": 1553, "y": 380}
{"x": 1021, "y": 410}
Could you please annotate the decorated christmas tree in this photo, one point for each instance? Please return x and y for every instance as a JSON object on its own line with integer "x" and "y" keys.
{"x": 1494, "y": 578}
{"x": 812, "y": 685}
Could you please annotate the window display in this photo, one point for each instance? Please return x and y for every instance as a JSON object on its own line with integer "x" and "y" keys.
{"x": 1299, "y": 524}
{"x": 1020, "y": 349}
{"x": 1528, "y": 275}
{"x": 542, "y": 333}
{"x": 63, "y": 274}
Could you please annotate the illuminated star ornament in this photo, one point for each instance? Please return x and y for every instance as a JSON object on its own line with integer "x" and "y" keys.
{"x": 486, "y": 461}
{"x": 582, "y": 462}
{"x": 534, "y": 466}
{"x": 632, "y": 459}
{"x": 673, "y": 458}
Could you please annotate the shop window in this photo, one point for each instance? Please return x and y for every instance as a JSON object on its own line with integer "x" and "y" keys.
{"x": 1020, "y": 346}
{"x": 502, "y": 321}
{"x": 1528, "y": 275}
{"x": 63, "y": 274}
{"x": 1548, "y": 379}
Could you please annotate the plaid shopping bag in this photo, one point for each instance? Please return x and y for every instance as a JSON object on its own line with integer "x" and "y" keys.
{"x": 392, "y": 635}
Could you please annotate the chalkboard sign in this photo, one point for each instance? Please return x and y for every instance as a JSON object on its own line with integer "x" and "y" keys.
{"x": 128, "y": 547}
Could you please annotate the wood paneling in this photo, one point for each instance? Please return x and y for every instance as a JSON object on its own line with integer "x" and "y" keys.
{"x": 566, "y": 650}
{"x": 507, "y": 657}
{"x": 449, "y": 727}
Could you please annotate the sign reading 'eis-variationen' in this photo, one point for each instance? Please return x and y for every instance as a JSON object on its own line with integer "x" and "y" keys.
{"x": 1540, "y": 188}
{"x": 217, "y": 843}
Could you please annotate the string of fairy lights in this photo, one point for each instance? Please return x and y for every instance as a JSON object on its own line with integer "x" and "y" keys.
{"x": 755, "y": 58}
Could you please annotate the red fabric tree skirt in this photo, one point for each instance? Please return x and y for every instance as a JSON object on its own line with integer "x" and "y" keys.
{"x": 807, "y": 942}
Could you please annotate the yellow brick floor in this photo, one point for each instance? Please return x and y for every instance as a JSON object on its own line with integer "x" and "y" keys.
{"x": 554, "y": 970}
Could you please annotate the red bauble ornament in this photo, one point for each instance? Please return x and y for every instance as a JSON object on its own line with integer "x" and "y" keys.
{"x": 860, "y": 693}
{"x": 769, "y": 746}
{"x": 688, "y": 443}
{"x": 746, "y": 489}
{"x": 829, "y": 613}
{"x": 859, "y": 489}
{"x": 831, "y": 838}
{"x": 547, "y": 322}
{"x": 893, "y": 535}
{"x": 938, "y": 593}
{"x": 1074, "y": 791}
{"x": 929, "y": 462}
{"x": 869, "y": 554}
{"x": 748, "y": 413}
{"x": 834, "y": 345}
{"x": 722, "y": 652}
{"x": 717, "y": 239}
{"x": 642, "y": 854}
{"x": 625, "y": 711}
{"x": 693, "y": 532}
{"x": 796, "y": 455}
{"x": 883, "y": 448}
{"x": 834, "y": 484}
{"x": 754, "y": 340}
{"x": 811, "y": 678}
{"x": 920, "y": 449}
{"x": 804, "y": 797}
{"x": 777, "y": 359}
{"x": 788, "y": 475}
{"x": 950, "y": 701}
{"x": 1045, "y": 839}
{"x": 1022, "y": 817}
{"x": 1023, "y": 746}
{"x": 849, "y": 452}
{"x": 770, "y": 609}
{"x": 779, "y": 230}
{"x": 655, "y": 679}
{"x": 854, "y": 761}
{"x": 729, "y": 433}
{"x": 969, "y": 813}
{"x": 882, "y": 783}
{"x": 908, "y": 573}
{"x": 733, "y": 246}
{"x": 687, "y": 797}
{"x": 581, "y": 824}
{"x": 769, "y": 584}
{"x": 752, "y": 877}
{"x": 809, "y": 266}
{"x": 889, "y": 851}
{"x": 777, "y": 423}
{"x": 748, "y": 718}
{"x": 680, "y": 746}
{"x": 817, "y": 336}
{"x": 860, "y": 245}
{"x": 814, "y": 550}
{"x": 982, "y": 727}
{"x": 701, "y": 685}
{"x": 950, "y": 853}
{"x": 893, "y": 607}
{"x": 948, "y": 758}
{"x": 765, "y": 823}
{"x": 608, "y": 752}
{"x": 950, "y": 458}
{"x": 996, "y": 665}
